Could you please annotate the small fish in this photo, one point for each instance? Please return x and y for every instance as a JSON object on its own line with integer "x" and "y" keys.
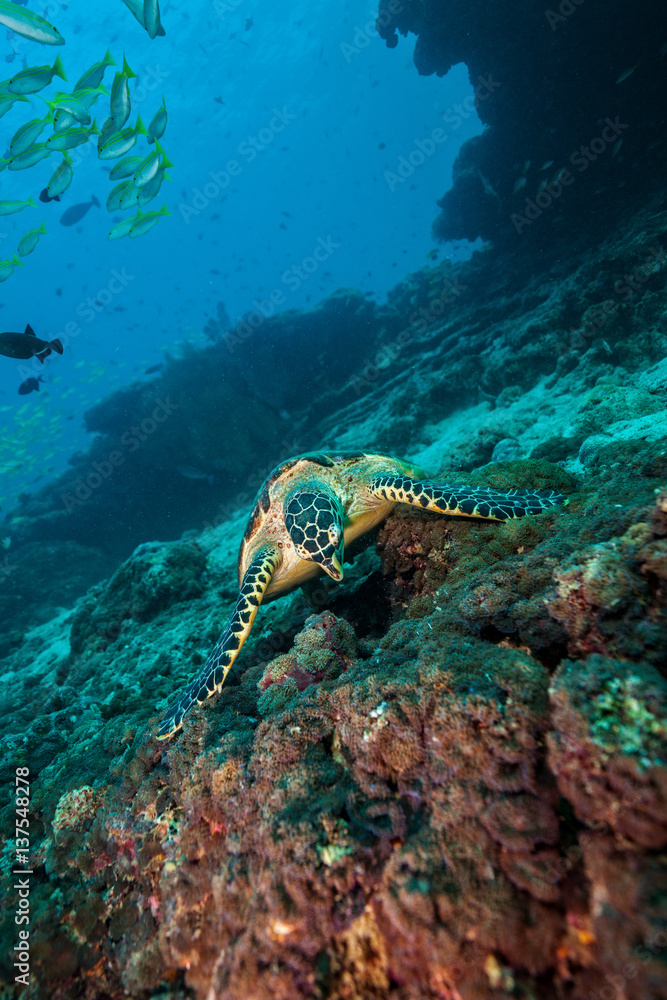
{"x": 11, "y": 207}
{"x": 28, "y": 345}
{"x": 626, "y": 73}
{"x": 152, "y": 17}
{"x": 69, "y": 138}
{"x": 136, "y": 8}
{"x": 93, "y": 77}
{"x": 130, "y": 198}
{"x": 30, "y": 385}
{"x": 545, "y": 166}
{"x": 107, "y": 130}
{"x": 26, "y": 135}
{"x": 75, "y": 213}
{"x": 117, "y": 193}
{"x": 119, "y": 143}
{"x": 122, "y": 228}
{"x": 191, "y": 472}
{"x": 144, "y": 223}
{"x": 432, "y": 254}
{"x": 29, "y": 25}
{"x": 28, "y": 159}
{"x": 125, "y": 168}
{"x": 63, "y": 120}
{"x": 150, "y": 165}
{"x": 518, "y": 184}
{"x": 7, "y": 101}
{"x": 617, "y": 148}
{"x": 158, "y": 124}
{"x": 61, "y": 178}
{"x": 249, "y": 21}
{"x": 154, "y": 368}
{"x": 119, "y": 105}
{"x": 6, "y": 269}
{"x": 29, "y": 240}
{"x": 35, "y": 78}
{"x": 152, "y": 189}
{"x": 76, "y": 105}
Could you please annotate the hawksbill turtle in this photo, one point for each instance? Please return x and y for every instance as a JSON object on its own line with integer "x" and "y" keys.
{"x": 308, "y": 509}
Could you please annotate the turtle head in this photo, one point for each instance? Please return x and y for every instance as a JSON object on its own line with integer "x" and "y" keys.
{"x": 314, "y": 520}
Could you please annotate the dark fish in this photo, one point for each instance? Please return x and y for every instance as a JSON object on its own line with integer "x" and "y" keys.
{"x": 44, "y": 196}
{"x": 154, "y": 368}
{"x": 30, "y": 385}
{"x": 249, "y": 21}
{"x": 77, "y": 212}
{"x": 27, "y": 345}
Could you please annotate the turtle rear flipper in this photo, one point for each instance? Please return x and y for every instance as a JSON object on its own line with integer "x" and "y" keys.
{"x": 466, "y": 501}
{"x": 212, "y": 676}
{"x": 314, "y": 520}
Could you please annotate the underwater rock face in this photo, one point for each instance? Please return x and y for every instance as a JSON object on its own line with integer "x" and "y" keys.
{"x": 608, "y": 745}
{"x": 444, "y": 777}
{"x": 419, "y": 813}
{"x": 554, "y": 153}
{"x": 156, "y": 576}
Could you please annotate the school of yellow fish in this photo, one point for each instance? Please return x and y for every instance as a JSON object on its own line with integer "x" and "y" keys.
{"x": 138, "y": 178}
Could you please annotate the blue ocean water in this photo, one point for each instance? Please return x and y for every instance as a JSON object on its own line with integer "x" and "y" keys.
{"x": 293, "y": 136}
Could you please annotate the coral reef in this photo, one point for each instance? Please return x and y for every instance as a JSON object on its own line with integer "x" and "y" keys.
{"x": 420, "y": 812}
{"x": 324, "y": 648}
{"x": 443, "y": 779}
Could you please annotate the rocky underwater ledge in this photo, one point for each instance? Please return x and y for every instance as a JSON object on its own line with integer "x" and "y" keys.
{"x": 444, "y": 777}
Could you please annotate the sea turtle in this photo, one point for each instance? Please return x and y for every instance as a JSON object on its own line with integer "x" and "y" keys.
{"x": 307, "y": 510}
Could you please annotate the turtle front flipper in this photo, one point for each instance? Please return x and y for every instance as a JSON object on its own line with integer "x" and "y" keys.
{"x": 466, "y": 501}
{"x": 212, "y": 676}
{"x": 314, "y": 518}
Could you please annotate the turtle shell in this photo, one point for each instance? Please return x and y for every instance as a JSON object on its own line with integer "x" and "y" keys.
{"x": 263, "y": 498}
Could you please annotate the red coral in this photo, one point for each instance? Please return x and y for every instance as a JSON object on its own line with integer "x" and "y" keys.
{"x": 323, "y": 648}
